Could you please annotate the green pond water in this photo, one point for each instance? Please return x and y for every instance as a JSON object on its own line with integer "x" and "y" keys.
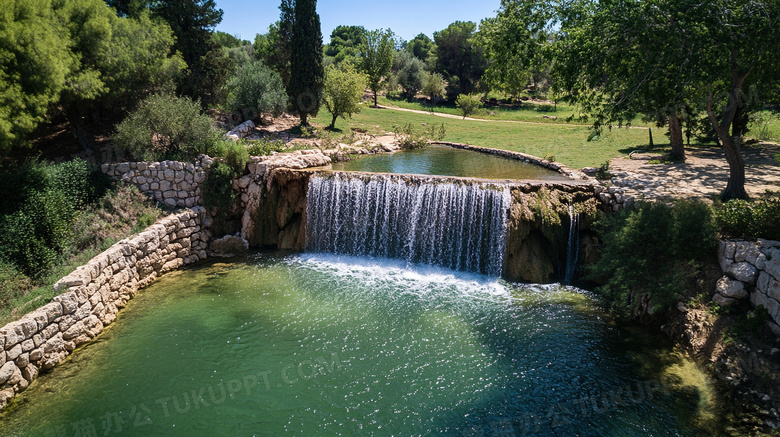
{"x": 275, "y": 344}
{"x": 448, "y": 161}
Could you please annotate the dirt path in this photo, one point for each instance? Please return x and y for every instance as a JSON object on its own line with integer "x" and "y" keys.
{"x": 703, "y": 175}
{"x": 458, "y": 117}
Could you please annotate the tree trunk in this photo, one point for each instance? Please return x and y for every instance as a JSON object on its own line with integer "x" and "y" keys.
{"x": 375, "y": 103}
{"x": 304, "y": 118}
{"x": 740, "y": 122}
{"x": 676, "y": 138}
{"x": 333, "y": 123}
{"x": 74, "y": 118}
{"x": 735, "y": 189}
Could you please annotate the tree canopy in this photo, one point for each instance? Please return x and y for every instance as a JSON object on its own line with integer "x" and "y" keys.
{"x": 459, "y": 58}
{"x": 377, "y": 57}
{"x": 343, "y": 93}
{"x": 307, "y": 71}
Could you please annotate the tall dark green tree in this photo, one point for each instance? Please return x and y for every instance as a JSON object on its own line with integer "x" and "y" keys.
{"x": 307, "y": 72}
{"x": 459, "y": 58}
{"x": 193, "y": 22}
{"x": 345, "y": 43}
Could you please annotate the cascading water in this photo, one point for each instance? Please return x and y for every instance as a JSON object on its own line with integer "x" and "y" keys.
{"x": 456, "y": 225}
{"x": 573, "y": 247}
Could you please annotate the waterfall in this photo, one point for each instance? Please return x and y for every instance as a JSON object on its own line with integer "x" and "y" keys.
{"x": 573, "y": 247}
{"x": 457, "y": 225}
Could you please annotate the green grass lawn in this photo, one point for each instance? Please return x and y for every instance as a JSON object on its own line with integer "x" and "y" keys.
{"x": 528, "y": 112}
{"x": 567, "y": 143}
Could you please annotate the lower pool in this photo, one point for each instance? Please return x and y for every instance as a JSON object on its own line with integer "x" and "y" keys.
{"x": 277, "y": 344}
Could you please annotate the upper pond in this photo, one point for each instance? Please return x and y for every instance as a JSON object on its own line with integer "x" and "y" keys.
{"x": 325, "y": 345}
{"x": 449, "y": 161}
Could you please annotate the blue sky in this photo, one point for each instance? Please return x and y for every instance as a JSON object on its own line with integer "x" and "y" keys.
{"x": 407, "y": 18}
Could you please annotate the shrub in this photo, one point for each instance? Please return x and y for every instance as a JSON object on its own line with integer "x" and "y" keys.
{"x": 255, "y": 90}
{"x": 265, "y": 146}
{"x": 236, "y": 156}
{"x": 603, "y": 173}
{"x": 653, "y": 248}
{"x": 409, "y": 138}
{"x": 164, "y": 127}
{"x": 468, "y": 104}
{"x": 759, "y": 218}
{"x": 218, "y": 190}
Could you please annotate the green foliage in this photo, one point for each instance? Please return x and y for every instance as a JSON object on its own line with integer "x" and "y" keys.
{"x": 410, "y": 73}
{"x": 653, "y": 248}
{"x": 345, "y": 43}
{"x": 37, "y": 217}
{"x": 603, "y": 173}
{"x": 218, "y": 193}
{"x": 308, "y": 74}
{"x": 236, "y": 156}
{"x": 265, "y": 147}
{"x": 433, "y": 85}
{"x": 255, "y": 90}
{"x": 343, "y": 92}
{"x": 227, "y": 40}
{"x": 33, "y": 66}
{"x": 410, "y": 138}
{"x": 468, "y": 104}
{"x": 421, "y": 46}
{"x": 458, "y": 55}
{"x": 164, "y": 125}
{"x": 759, "y": 218}
{"x": 376, "y": 57}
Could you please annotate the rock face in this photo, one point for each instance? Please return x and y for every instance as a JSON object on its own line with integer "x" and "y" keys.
{"x": 228, "y": 245}
{"x": 172, "y": 183}
{"x": 241, "y": 131}
{"x": 92, "y": 295}
{"x": 751, "y": 270}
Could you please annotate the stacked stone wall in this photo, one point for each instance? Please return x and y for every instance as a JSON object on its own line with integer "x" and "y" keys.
{"x": 92, "y": 296}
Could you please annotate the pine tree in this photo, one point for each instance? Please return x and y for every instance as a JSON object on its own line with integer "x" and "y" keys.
{"x": 308, "y": 73}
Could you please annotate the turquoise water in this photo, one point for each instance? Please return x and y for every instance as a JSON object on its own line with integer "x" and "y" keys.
{"x": 448, "y": 161}
{"x": 322, "y": 345}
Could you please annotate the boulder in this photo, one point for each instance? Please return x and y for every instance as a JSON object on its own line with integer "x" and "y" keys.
{"x": 7, "y": 371}
{"x": 744, "y": 271}
{"x": 229, "y": 245}
{"x": 724, "y": 301}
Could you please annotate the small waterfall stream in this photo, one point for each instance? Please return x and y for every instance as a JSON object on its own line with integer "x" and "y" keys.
{"x": 573, "y": 246}
{"x": 461, "y": 226}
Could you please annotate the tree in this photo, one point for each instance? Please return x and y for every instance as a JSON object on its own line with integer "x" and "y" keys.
{"x": 421, "y": 46}
{"x": 345, "y": 43}
{"x": 165, "y": 125}
{"x": 433, "y": 85}
{"x": 255, "y": 90}
{"x": 459, "y": 56}
{"x": 227, "y": 40}
{"x": 468, "y": 104}
{"x": 308, "y": 75}
{"x": 192, "y": 22}
{"x": 343, "y": 92}
{"x": 377, "y": 58}
{"x": 34, "y": 63}
{"x": 411, "y": 73}
{"x": 516, "y": 42}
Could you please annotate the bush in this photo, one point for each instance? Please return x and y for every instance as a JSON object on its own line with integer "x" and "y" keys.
{"x": 759, "y": 218}
{"x": 236, "y": 156}
{"x": 468, "y": 104}
{"x": 409, "y": 138}
{"x": 218, "y": 190}
{"x": 603, "y": 173}
{"x": 265, "y": 146}
{"x": 653, "y": 248}
{"x": 256, "y": 90}
{"x": 166, "y": 127}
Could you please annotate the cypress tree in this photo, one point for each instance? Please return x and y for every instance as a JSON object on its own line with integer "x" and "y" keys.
{"x": 308, "y": 74}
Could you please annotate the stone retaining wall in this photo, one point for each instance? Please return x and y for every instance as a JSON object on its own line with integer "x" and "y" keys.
{"x": 172, "y": 183}
{"x": 92, "y": 295}
{"x": 751, "y": 270}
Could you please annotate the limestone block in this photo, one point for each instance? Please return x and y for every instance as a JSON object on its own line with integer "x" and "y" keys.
{"x": 772, "y": 306}
{"x": 763, "y": 281}
{"x": 7, "y": 371}
{"x": 743, "y": 251}
{"x": 36, "y": 355}
{"x": 16, "y": 378}
{"x": 74, "y": 331}
{"x": 30, "y": 372}
{"x": 66, "y": 322}
{"x": 169, "y": 175}
{"x": 723, "y": 300}
{"x": 38, "y": 340}
{"x": 773, "y": 268}
{"x": 773, "y": 289}
{"x": 123, "y": 167}
{"x": 14, "y": 352}
{"x": 12, "y": 334}
{"x": 154, "y": 186}
{"x": 727, "y": 249}
{"x": 744, "y": 271}
{"x": 165, "y": 186}
{"x": 23, "y": 360}
{"x": 27, "y": 345}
